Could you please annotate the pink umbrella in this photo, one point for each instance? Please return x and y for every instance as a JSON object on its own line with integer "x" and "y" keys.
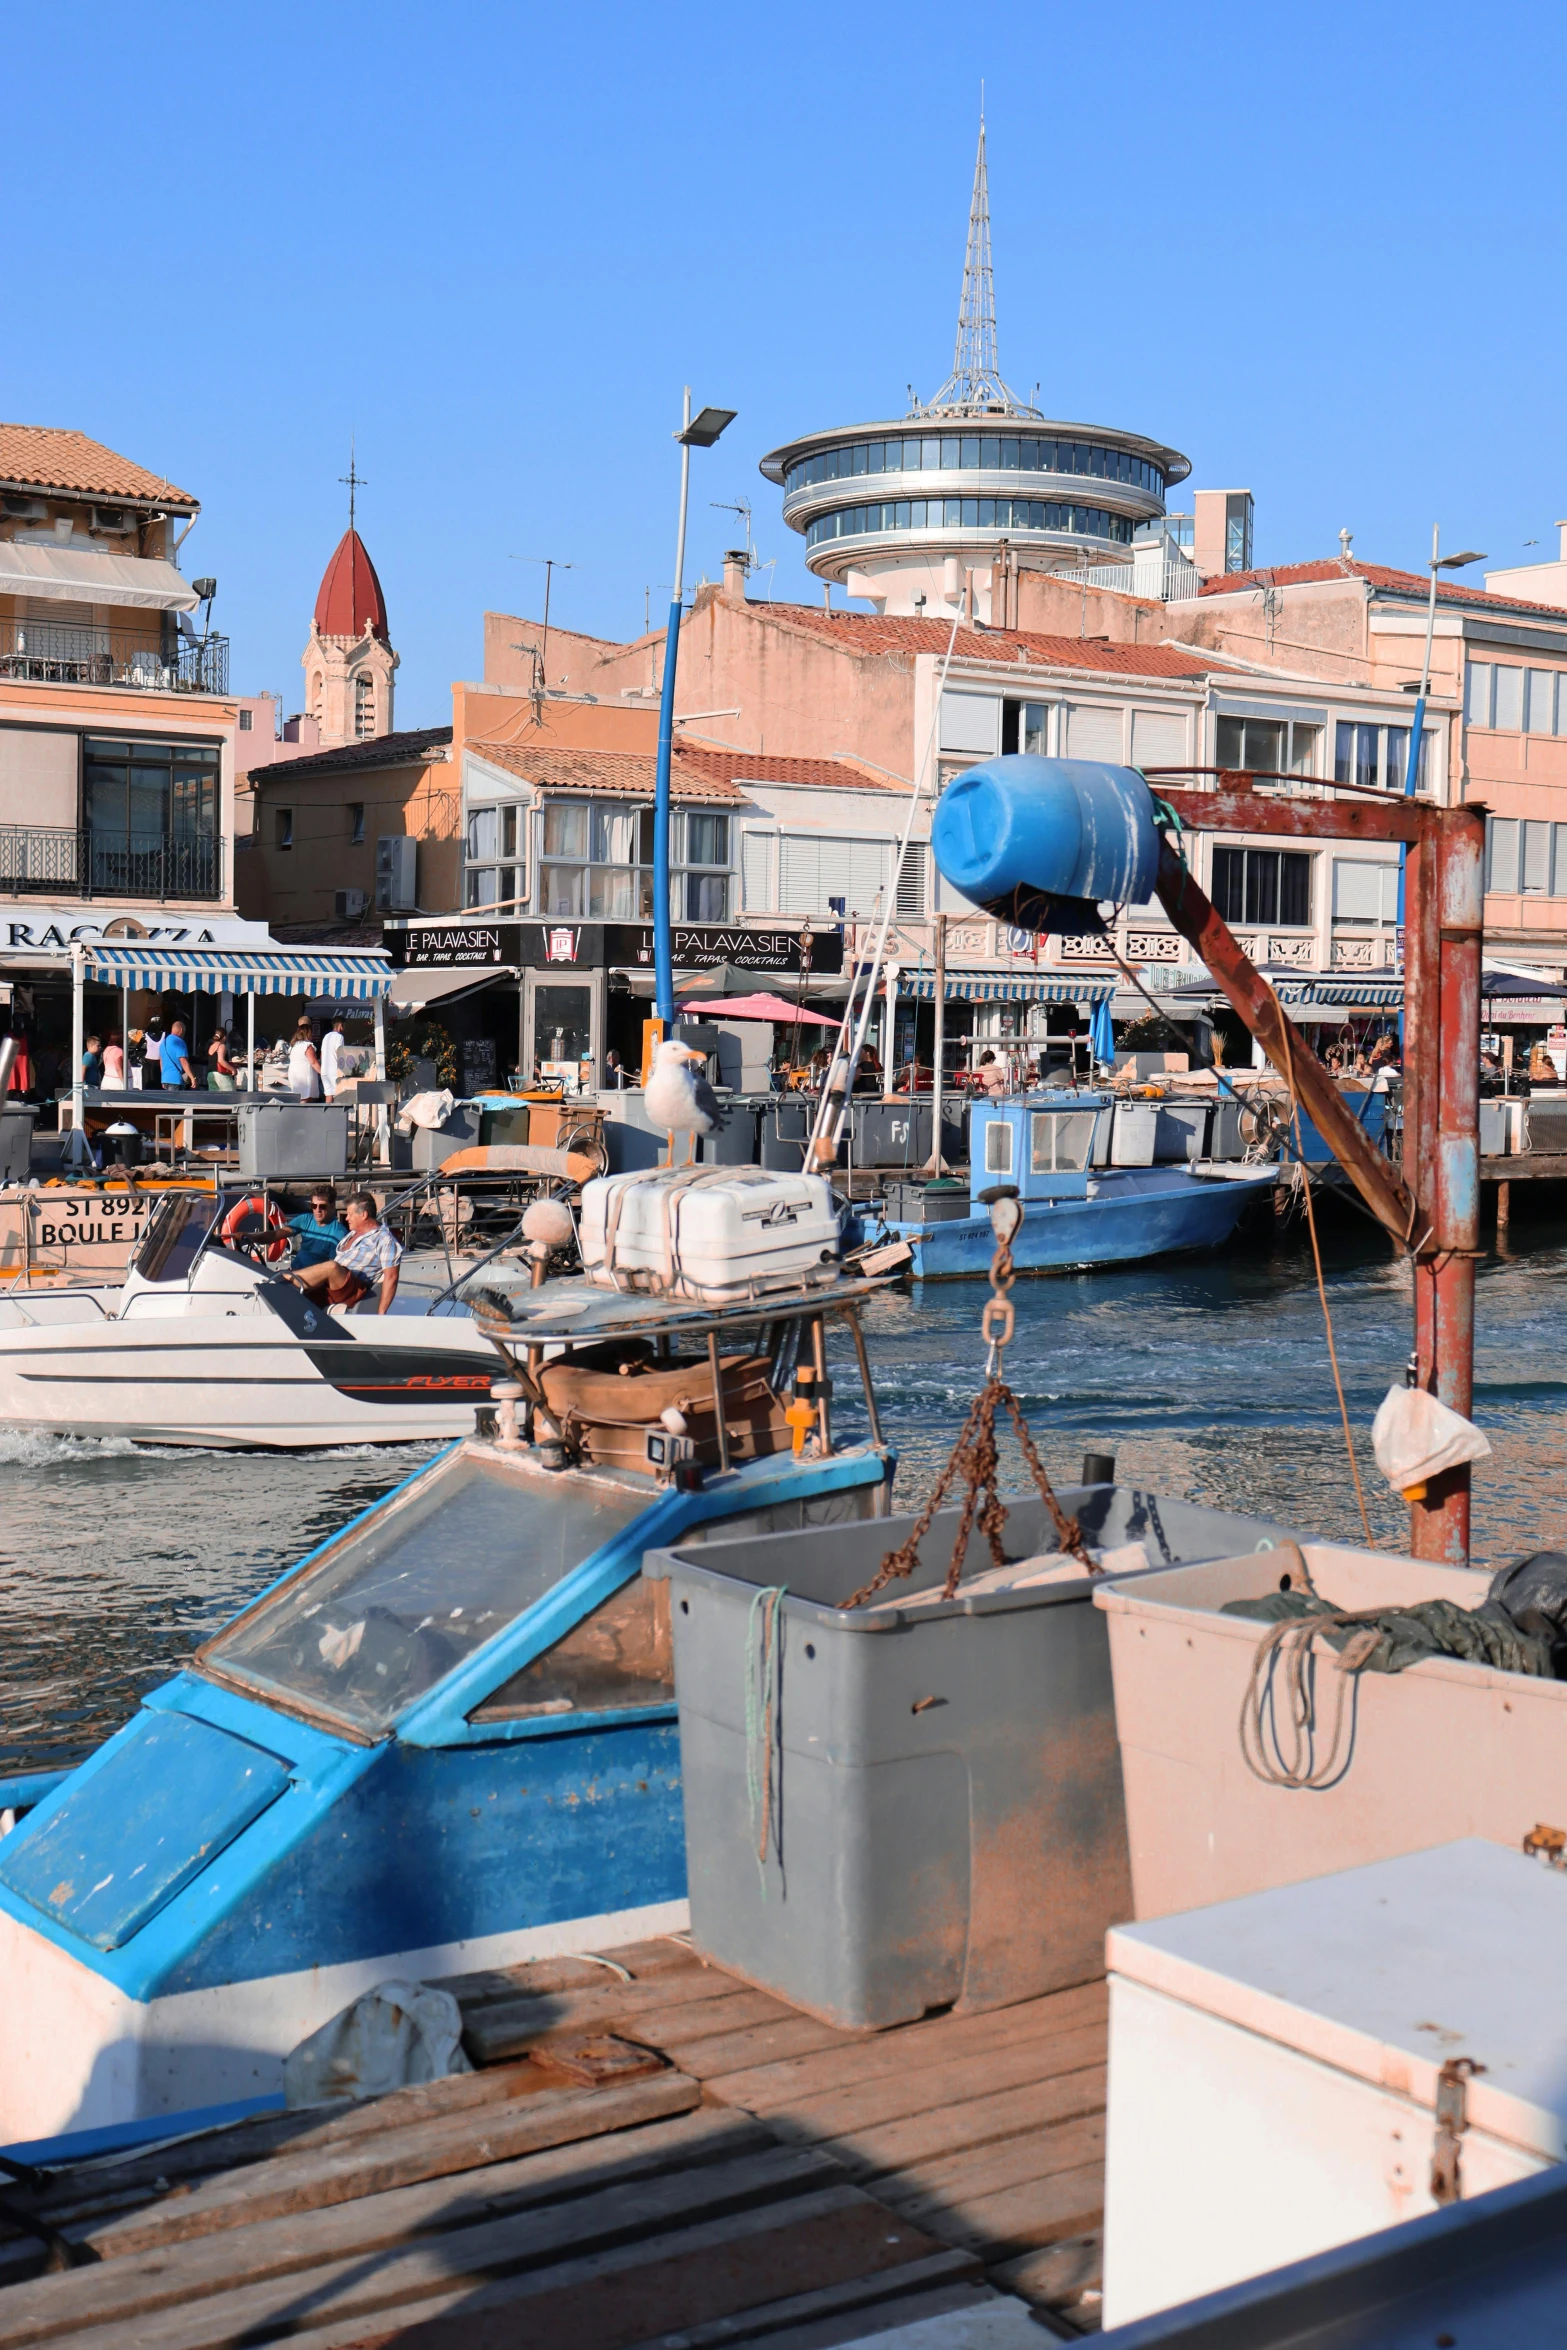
{"x": 758, "y": 1007}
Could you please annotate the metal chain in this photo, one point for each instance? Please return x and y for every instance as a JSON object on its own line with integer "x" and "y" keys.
{"x": 974, "y": 1459}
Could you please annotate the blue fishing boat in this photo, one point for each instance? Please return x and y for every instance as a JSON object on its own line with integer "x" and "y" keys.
{"x": 444, "y": 1740}
{"x": 1059, "y": 1150}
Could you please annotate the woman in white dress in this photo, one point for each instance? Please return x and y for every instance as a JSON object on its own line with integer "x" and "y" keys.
{"x": 304, "y": 1066}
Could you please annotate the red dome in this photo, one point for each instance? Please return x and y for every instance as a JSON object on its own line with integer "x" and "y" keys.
{"x": 350, "y": 602}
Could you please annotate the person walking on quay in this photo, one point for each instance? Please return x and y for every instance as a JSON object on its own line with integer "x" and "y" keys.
{"x": 331, "y": 1047}
{"x": 304, "y": 1065}
{"x": 92, "y": 1063}
{"x": 174, "y": 1056}
{"x": 114, "y": 1063}
{"x": 222, "y": 1076}
{"x": 368, "y": 1255}
{"x": 319, "y": 1232}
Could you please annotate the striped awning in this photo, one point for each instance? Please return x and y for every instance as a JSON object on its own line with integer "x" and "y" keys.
{"x": 1374, "y": 994}
{"x": 1007, "y": 987}
{"x": 342, "y": 973}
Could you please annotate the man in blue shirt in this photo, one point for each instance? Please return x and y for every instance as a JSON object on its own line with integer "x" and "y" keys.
{"x": 174, "y": 1055}
{"x": 317, "y": 1234}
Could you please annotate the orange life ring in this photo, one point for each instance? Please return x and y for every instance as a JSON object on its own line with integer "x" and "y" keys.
{"x": 272, "y": 1218}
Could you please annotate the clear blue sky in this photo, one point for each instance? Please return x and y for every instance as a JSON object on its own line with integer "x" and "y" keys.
{"x": 1317, "y": 248}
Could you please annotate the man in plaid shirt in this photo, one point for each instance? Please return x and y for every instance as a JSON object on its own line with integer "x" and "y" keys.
{"x": 369, "y": 1254}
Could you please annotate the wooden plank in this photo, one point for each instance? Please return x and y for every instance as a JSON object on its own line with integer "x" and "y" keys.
{"x": 978, "y": 2171}
{"x": 273, "y": 2263}
{"x": 214, "y": 2263}
{"x": 397, "y": 2158}
{"x": 356, "y": 2300}
{"x": 581, "y": 1970}
{"x": 93, "y": 2187}
{"x": 700, "y": 2019}
{"x": 931, "y": 2042}
{"x": 1057, "y": 2276}
{"x": 498, "y": 2028}
{"x": 617, "y": 2300}
{"x": 1069, "y": 2203}
{"x": 920, "y": 2288}
{"x": 759, "y": 2044}
{"x": 934, "y": 2088}
{"x": 924, "y": 2137}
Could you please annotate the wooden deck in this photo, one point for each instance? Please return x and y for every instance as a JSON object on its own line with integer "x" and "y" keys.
{"x": 650, "y": 2154}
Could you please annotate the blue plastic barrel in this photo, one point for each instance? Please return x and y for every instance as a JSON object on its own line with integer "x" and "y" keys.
{"x": 1040, "y": 842}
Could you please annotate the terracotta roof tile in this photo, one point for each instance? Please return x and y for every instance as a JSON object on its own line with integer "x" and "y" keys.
{"x": 1375, "y": 575}
{"x": 408, "y": 749}
{"x": 47, "y": 457}
{"x": 610, "y": 772}
{"x": 742, "y": 767}
{"x": 869, "y": 632}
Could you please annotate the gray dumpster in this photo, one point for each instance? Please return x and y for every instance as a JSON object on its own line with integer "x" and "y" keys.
{"x": 935, "y": 1793}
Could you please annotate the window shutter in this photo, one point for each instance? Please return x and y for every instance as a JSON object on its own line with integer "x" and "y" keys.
{"x": 911, "y": 883}
{"x": 1093, "y": 732}
{"x": 756, "y": 872}
{"x": 1158, "y": 738}
{"x": 813, "y": 867}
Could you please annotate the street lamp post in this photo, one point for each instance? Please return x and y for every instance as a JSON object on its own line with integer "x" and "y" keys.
{"x": 697, "y": 432}
{"x": 1417, "y": 730}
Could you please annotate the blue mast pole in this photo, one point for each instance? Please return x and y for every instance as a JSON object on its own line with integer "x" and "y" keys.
{"x": 1412, "y": 765}
{"x": 663, "y": 960}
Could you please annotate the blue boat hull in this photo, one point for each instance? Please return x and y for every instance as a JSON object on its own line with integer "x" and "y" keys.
{"x": 1135, "y": 1215}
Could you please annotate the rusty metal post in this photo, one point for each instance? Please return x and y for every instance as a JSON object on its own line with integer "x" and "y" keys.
{"x": 1445, "y": 1276}
{"x": 1193, "y": 915}
{"x": 1422, "y": 1072}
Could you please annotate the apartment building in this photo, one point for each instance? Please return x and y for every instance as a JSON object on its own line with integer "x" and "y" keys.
{"x": 117, "y": 727}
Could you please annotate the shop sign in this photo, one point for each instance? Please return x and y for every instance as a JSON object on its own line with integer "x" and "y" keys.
{"x": 538, "y": 946}
{"x": 54, "y": 931}
{"x": 704, "y": 946}
{"x": 453, "y": 946}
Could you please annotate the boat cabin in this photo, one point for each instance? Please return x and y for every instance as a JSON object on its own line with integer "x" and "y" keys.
{"x": 446, "y": 1739}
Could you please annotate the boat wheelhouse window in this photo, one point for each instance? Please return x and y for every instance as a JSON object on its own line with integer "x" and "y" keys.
{"x": 621, "y": 1655}
{"x": 407, "y": 1596}
{"x": 1062, "y": 1140}
{"x": 173, "y": 1239}
{"x": 998, "y": 1147}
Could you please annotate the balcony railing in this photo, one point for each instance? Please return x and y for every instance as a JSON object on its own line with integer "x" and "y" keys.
{"x": 37, "y": 858}
{"x": 46, "y": 652}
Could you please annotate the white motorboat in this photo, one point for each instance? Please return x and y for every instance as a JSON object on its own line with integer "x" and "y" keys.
{"x": 206, "y": 1344}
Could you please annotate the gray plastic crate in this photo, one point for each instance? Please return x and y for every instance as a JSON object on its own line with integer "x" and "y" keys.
{"x": 280, "y": 1140}
{"x": 926, "y": 1203}
{"x": 946, "y": 1824}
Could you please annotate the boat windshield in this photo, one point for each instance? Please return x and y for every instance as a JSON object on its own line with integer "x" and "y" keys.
{"x": 400, "y": 1601}
{"x": 174, "y": 1237}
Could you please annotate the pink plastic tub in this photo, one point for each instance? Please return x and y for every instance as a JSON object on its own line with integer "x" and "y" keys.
{"x": 1440, "y": 1751}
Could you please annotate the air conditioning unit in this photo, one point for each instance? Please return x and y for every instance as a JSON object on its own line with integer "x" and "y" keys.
{"x": 351, "y": 903}
{"x": 396, "y": 859}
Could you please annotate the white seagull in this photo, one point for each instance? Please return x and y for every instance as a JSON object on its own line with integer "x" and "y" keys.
{"x": 680, "y": 1099}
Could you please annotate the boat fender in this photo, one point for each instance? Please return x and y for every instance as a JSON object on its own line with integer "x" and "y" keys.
{"x": 272, "y": 1219}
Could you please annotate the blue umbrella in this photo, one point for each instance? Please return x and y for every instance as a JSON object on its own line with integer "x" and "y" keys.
{"x": 1101, "y": 1032}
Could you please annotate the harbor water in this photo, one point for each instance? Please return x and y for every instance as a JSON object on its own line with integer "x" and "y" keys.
{"x": 1208, "y": 1379}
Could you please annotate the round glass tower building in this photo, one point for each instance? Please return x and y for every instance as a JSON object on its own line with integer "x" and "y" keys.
{"x": 945, "y": 506}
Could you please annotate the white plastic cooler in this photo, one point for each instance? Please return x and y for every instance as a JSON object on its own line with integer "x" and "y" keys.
{"x": 709, "y": 1234}
{"x": 1276, "y": 2061}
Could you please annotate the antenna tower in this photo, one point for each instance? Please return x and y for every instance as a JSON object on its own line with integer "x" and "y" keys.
{"x": 975, "y": 387}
